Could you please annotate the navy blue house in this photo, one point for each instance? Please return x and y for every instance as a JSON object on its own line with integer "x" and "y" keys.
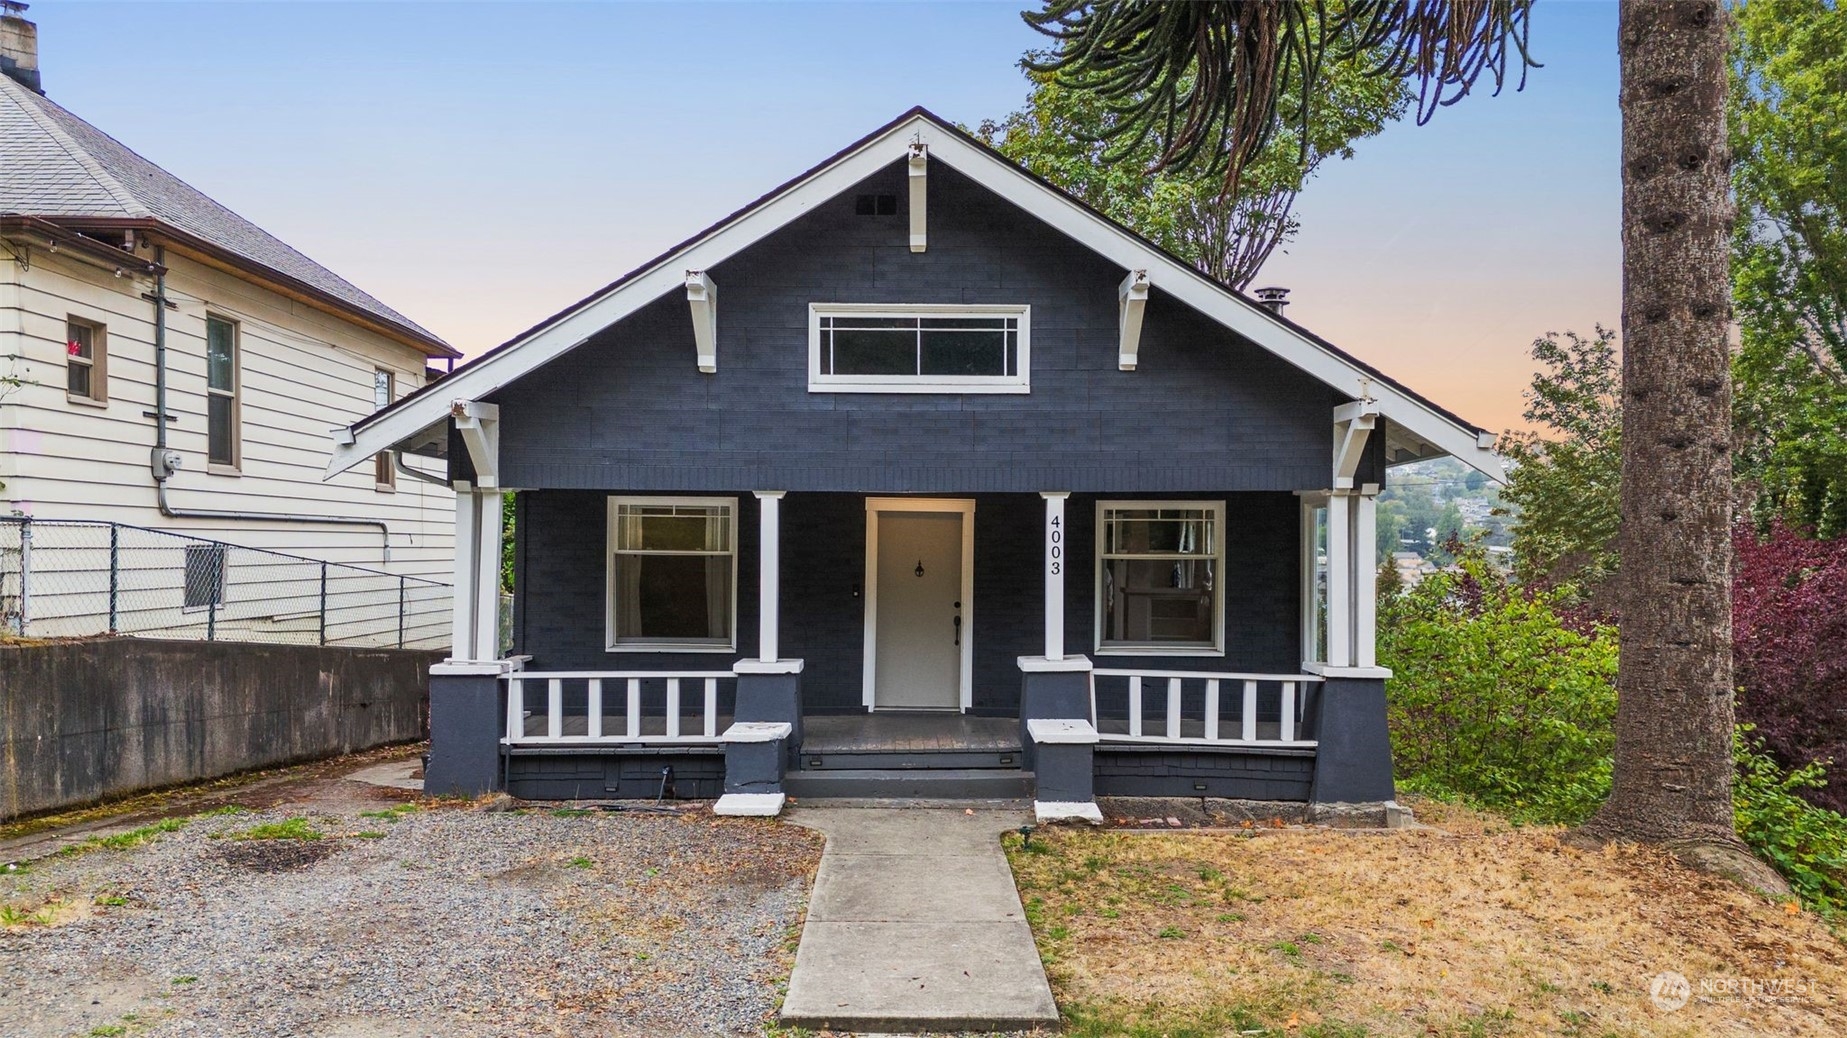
{"x": 917, "y": 475}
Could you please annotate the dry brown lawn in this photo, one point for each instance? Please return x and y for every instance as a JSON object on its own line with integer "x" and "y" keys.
{"x": 1466, "y": 927}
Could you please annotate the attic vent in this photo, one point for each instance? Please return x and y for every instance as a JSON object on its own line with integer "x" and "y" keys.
{"x": 875, "y": 205}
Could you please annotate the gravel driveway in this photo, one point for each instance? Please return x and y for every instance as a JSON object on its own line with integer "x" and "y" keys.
{"x": 407, "y": 919}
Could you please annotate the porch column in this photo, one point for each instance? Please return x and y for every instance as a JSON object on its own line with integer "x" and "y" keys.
{"x": 462, "y": 599}
{"x": 769, "y": 571}
{"x": 1365, "y": 576}
{"x": 1340, "y": 580}
{"x": 1055, "y": 573}
{"x": 487, "y": 575}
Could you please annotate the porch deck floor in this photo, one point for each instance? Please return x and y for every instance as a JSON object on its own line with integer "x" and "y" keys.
{"x": 889, "y": 732}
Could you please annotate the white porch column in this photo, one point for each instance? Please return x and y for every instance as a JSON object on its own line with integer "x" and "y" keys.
{"x": 769, "y": 572}
{"x": 1340, "y": 580}
{"x": 462, "y": 604}
{"x": 1055, "y": 573}
{"x": 1365, "y": 576}
{"x": 487, "y": 575}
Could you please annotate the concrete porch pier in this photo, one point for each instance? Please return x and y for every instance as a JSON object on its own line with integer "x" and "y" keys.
{"x": 915, "y": 925}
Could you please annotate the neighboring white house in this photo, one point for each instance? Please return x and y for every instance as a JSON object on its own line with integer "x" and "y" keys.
{"x": 121, "y": 285}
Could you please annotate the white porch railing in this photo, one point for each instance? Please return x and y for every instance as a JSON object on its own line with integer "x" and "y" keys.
{"x": 562, "y": 708}
{"x": 1212, "y": 720}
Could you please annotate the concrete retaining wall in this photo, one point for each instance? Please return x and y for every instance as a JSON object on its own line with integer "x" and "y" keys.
{"x": 82, "y": 721}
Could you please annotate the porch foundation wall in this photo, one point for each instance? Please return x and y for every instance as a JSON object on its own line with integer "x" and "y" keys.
{"x": 628, "y": 775}
{"x": 1172, "y": 772}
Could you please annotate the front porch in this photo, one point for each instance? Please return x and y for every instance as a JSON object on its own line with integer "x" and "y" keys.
{"x": 1019, "y": 682}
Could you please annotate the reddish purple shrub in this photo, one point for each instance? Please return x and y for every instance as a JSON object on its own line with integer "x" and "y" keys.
{"x": 1789, "y": 645}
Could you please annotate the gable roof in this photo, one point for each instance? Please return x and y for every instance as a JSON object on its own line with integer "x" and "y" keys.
{"x": 1417, "y": 425}
{"x": 58, "y": 167}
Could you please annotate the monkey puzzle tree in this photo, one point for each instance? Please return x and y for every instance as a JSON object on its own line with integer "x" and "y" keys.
{"x": 1205, "y": 82}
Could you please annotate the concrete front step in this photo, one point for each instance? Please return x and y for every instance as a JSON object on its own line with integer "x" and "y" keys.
{"x": 928, "y": 784}
{"x": 920, "y": 760}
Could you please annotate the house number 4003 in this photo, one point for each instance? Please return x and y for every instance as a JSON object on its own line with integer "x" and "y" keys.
{"x": 1055, "y": 549}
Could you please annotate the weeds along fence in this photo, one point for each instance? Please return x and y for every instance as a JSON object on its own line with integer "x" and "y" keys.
{"x": 61, "y": 578}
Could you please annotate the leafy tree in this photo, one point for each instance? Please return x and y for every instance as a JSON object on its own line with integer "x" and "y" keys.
{"x": 1208, "y": 82}
{"x": 1065, "y": 135}
{"x": 1566, "y": 483}
{"x": 1789, "y": 606}
{"x": 1789, "y": 274}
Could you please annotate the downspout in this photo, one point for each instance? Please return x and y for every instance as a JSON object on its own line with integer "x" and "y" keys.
{"x": 164, "y": 464}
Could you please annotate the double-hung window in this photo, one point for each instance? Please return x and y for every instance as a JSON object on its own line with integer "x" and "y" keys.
{"x": 859, "y": 348}
{"x": 384, "y": 390}
{"x": 672, "y": 574}
{"x": 1159, "y": 568}
{"x": 86, "y": 376}
{"x": 221, "y": 391}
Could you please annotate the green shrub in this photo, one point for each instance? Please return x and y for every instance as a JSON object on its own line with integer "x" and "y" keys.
{"x": 1495, "y": 699}
{"x": 1807, "y": 844}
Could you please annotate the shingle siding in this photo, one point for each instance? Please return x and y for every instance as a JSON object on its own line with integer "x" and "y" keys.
{"x": 1206, "y": 410}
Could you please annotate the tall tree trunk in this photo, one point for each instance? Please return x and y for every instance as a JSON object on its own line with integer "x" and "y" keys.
{"x": 1673, "y": 771}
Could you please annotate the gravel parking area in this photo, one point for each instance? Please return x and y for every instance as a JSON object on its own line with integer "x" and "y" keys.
{"x": 406, "y": 918}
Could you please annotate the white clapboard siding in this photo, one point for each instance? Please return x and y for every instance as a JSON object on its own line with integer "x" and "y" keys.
{"x": 303, "y": 372}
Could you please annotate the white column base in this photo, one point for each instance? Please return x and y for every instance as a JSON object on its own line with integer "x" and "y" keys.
{"x": 750, "y": 805}
{"x": 1067, "y": 811}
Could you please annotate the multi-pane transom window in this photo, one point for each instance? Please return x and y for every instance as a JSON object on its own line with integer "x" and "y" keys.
{"x": 672, "y": 573}
{"x": 907, "y": 349}
{"x": 221, "y": 392}
{"x": 1158, "y": 570}
{"x": 84, "y": 376}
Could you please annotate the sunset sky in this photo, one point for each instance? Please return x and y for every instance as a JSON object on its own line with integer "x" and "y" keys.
{"x": 480, "y": 166}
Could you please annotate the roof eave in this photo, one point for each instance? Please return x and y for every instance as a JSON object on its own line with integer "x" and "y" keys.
{"x": 217, "y": 256}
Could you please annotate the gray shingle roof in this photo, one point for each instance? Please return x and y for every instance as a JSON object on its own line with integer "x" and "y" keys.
{"x": 56, "y": 166}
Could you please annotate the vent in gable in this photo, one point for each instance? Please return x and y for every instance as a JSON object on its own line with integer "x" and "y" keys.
{"x": 875, "y": 205}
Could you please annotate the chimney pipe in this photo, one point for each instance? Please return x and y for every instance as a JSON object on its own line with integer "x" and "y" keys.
{"x": 19, "y": 46}
{"x": 1273, "y": 299}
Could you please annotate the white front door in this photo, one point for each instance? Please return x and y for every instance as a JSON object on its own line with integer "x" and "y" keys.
{"x": 917, "y": 612}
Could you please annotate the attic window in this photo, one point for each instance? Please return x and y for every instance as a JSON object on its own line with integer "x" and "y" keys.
{"x": 875, "y": 205}
{"x": 907, "y": 348}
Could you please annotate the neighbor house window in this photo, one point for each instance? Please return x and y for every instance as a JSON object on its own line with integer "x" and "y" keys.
{"x": 672, "y": 573}
{"x": 918, "y": 349}
{"x": 204, "y": 575}
{"x": 384, "y": 386}
{"x": 85, "y": 361}
{"x": 1159, "y": 565}
{"x": 221, "y": 388}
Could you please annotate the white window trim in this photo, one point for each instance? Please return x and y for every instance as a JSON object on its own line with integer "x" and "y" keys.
{"x": 609, "y": 577}
{"x": 1217, "y": 648}
{"x": 1021, "y": 382}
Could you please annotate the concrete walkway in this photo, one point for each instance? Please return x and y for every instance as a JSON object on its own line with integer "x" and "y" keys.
{"x": 915, "y": 925}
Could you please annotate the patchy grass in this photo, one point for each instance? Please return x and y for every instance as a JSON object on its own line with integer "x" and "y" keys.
{"x": 395, "y": 813}
{"x": 13, "y": 915}
{"x": 126, "y": 840}
{"x": 1468, "y": 928}
{"x": 287, "y": 829}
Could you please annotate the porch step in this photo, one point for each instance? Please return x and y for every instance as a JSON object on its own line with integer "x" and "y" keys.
{"x": 920, "y": 783}
{"x": 913, "y": 760}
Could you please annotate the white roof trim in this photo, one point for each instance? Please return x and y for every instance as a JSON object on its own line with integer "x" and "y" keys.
{"x": 490, "y": 373}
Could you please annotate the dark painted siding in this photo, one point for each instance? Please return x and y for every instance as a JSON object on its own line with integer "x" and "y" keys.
{"x": 560, "y": 608}
{"x": 1216, "y": 773}
{"x": 1206, "y": 410}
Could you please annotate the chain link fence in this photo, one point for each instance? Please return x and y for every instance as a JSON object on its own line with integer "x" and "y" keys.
{"x": 61, "y": 578}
